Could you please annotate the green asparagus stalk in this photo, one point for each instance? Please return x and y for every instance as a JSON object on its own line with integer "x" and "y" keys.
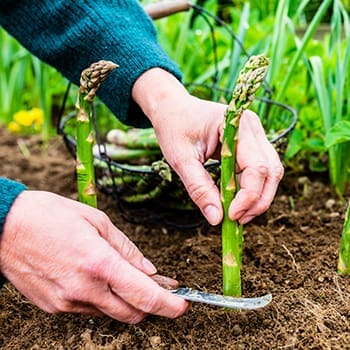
{"x": 134, "y": 138}
{"x": 120, "y": 181}
{"x": 163, "y": 169}
{"x": 344, "y": 250}
{"x": 136, "y": 177}
{"x": 102, "y": 164}
{"x": 249, "y": 80}
{"x": 90, "y": 80}
{"x": 130, "y": 155}
{"x": 143, "y": 197}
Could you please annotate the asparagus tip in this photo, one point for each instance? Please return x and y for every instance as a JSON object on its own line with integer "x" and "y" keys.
{"x": 92, "y": 77}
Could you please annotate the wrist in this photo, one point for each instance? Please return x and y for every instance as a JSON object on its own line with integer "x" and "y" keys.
{"x": 154, "y": 89}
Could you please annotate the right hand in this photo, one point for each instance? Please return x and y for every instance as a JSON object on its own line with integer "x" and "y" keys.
{"x": 65, "y": 256}
{"x": 189, "y": 132}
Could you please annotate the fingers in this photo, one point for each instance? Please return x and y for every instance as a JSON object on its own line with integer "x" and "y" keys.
{"x": 83, "y": 296}
{"x": 129, "y": 251}
{"x": 202, "y": 189}
{"x": 141, "y": 292}
{"x": 97, "y": 300}
{"x": 260, "y": 171}
{"x": 125, "y": 270}
{"x": 79, "y": 270}
{"x": 119, "y": 241}
{"x": 110, "y": 304}
{"x": 265, "y": 200}
{"x": 254, "y": 197}
{"x": 113, "y": 306}
{"x": 111, "y": 285}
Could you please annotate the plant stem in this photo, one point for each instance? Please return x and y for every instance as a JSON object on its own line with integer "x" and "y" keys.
{"x": 90, "y": 80}
{"x": 344, "y": 250}
{"x": 249, "y": 80}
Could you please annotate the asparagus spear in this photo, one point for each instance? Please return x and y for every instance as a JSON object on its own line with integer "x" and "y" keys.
{"x": 130, "y": 155}
{"x": 134, "y": 138}
{"x": 344, "y": 250}
{"x": 102, "y": 164}
{"x": 249, "y": 80}
{"x": 90, "y": 80}
{"x": 164, "y": 171}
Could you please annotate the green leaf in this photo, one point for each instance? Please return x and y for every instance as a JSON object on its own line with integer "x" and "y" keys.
{"x": 316, "y": 165}
{"x": 338, "y": 133}
{"x": 294, "y": 144}
{"x": 314, "y": 145}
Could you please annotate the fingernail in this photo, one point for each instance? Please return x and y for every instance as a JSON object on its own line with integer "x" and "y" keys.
{"x": 212, "y": 214}
{"x": 150, "y": 269}
{"x": 165, "y": 282}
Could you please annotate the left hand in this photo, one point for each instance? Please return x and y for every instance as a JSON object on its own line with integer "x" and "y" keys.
{"x": 189, "y": 131}
{"x": 67, "y": 257}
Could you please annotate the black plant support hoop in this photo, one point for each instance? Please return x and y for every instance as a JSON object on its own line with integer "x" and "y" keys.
{"x": 172, "y": 206}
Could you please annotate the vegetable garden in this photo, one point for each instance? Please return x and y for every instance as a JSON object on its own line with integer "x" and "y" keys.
{"x": 299, "y": 251}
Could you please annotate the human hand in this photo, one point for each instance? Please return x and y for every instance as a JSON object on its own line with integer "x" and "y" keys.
{"x": 65, "y": 256}
{"x": 189, "y": 131}
{"x": 259, "y": 170}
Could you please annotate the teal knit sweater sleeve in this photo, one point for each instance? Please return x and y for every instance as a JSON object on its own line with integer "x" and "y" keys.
{"x": 9, "y": 190}
{"x": 72, "y": 34}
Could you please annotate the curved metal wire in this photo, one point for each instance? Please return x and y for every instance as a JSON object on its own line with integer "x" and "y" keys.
{"x": 204, "y": 12}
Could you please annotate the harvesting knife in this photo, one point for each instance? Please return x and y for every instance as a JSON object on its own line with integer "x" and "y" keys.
{"x": 223, "y": 301}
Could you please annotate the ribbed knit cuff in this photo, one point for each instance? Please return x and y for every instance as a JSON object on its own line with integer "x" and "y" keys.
{"x": 9, "y": 190}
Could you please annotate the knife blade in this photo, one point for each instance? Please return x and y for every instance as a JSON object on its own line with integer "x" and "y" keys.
{"x": 223, "y": 301}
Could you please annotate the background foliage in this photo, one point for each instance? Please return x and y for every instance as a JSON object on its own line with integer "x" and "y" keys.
{"x": 307, "y": 42}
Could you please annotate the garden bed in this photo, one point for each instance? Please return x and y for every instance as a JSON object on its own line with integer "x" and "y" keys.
{"x": 291, "y": 252}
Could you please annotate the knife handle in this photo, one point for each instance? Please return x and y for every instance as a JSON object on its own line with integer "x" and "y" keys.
{"x": 166, "y": 7}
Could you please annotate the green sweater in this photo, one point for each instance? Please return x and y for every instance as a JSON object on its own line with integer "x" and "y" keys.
{"x": 72, "y": 34}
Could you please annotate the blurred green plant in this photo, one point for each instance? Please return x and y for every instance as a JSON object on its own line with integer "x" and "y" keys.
{"x": 26, "y": 84}
{"x": 13, "y": 71}
{"x": 300, "y": 45}
{"x": 207, "y": 51}
{"x": 330, "y": 78}
{"x": 276, "y": 28}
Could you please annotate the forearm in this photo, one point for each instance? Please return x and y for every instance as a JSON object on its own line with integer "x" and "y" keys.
{"x": 70, "y": 35}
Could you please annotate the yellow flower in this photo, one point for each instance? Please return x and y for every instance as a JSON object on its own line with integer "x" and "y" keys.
{"x": 14, "y": 127}
{"x": 23, "y": 118}
{"x": 37, "y": 116}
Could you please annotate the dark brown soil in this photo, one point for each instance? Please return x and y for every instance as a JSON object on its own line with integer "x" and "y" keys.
{"x": 291, "y": 252}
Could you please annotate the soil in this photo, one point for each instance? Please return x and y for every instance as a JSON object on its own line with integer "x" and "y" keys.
{"x": 291, "y": 252}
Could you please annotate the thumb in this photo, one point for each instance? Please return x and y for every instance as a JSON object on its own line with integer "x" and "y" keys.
{"x": 202, "y": 190}
{"x": 133, "y": 255}
{"x": 127, "y": 249}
